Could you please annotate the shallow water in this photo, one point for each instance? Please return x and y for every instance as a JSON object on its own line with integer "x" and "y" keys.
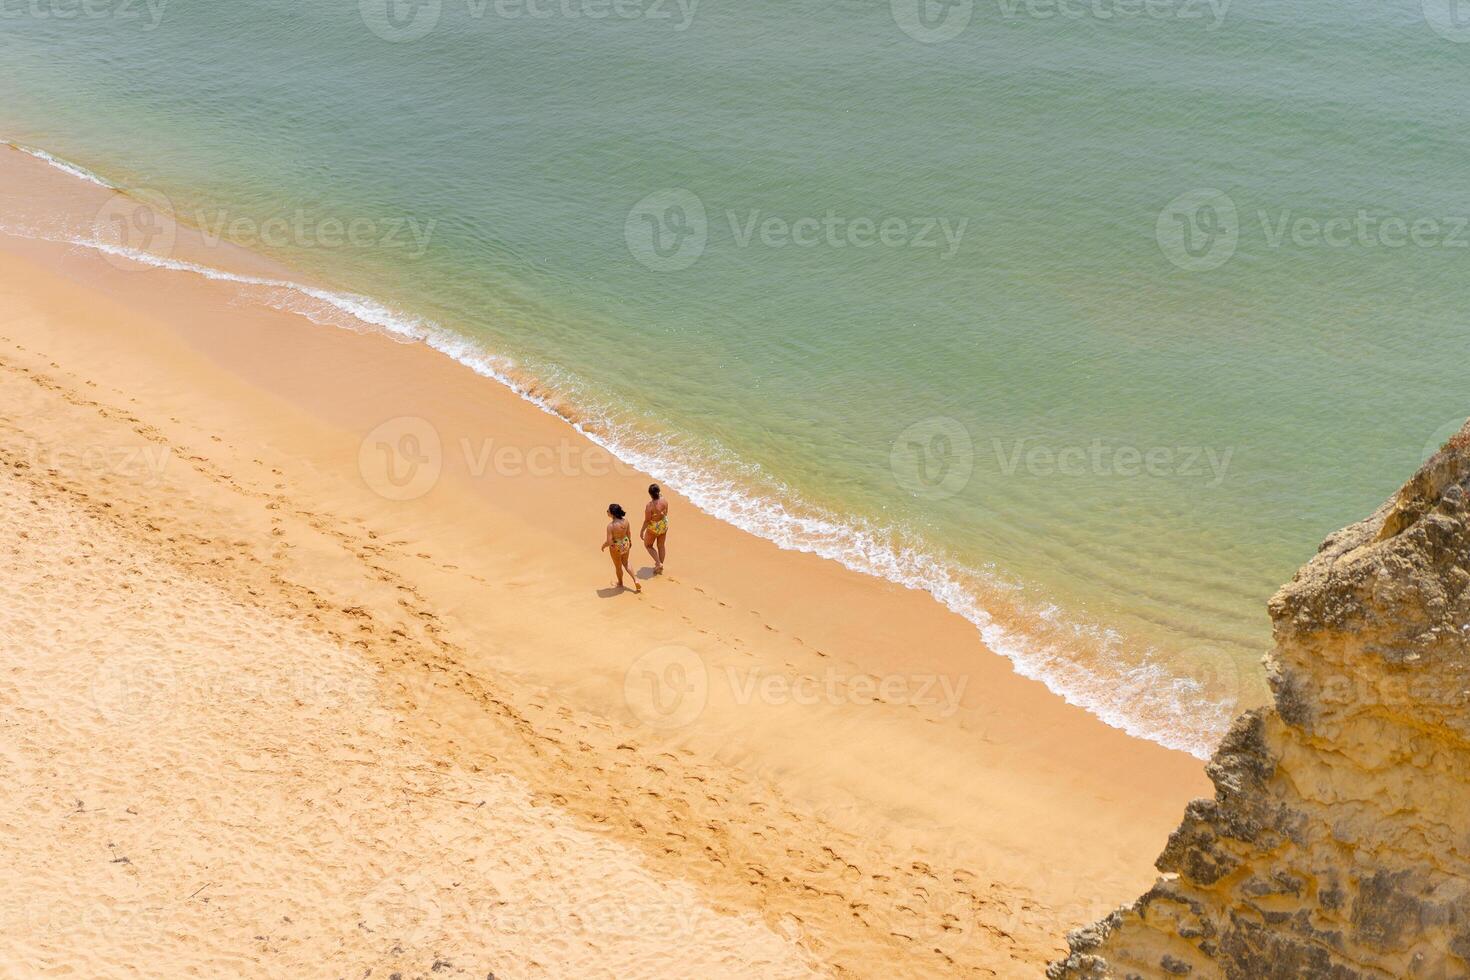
{"x": 1091, "y": 320}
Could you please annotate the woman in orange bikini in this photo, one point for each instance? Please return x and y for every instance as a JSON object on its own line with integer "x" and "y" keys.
{"x": 655, "y": 527}
{"x": 619, "y": 542}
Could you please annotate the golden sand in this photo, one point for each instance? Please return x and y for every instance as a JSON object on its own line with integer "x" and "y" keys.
{"x": 311, "y": 666}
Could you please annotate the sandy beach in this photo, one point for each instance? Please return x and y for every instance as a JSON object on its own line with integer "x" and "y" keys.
{"x": 311, "y": 667}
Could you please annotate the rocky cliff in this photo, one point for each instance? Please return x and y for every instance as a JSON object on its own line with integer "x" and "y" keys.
{"x": 1338, "y": 841}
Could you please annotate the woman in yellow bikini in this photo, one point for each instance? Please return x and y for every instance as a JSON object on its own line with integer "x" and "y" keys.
{"x": 655, "y": 527}
{"x": 619, "y": 542}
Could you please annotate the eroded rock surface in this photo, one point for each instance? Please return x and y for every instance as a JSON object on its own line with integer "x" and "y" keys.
{"x": 1338, "y": 842}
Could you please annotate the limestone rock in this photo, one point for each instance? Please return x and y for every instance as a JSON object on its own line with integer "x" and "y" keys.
{"x": 1338, "y": 842}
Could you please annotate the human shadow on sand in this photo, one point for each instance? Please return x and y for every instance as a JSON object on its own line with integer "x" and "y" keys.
{"x": 610, "y": 591}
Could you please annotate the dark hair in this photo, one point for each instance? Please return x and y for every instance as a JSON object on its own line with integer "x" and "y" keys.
{"x": 653, "y": 490}
{"x": 617, "y": 512}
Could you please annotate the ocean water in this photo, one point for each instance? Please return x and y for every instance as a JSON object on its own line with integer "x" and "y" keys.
{"x": 1090, "y": 318}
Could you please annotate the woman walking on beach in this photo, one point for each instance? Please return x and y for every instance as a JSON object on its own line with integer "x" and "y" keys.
{"x": 655, "y": 527}
{"x": 619, "y": 542}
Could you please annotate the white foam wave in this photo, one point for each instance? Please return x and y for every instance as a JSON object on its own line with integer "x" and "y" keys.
{"x": 66, "y": 166}
{"x": 1143, "y": 699}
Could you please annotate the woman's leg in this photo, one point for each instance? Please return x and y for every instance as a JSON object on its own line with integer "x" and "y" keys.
{"x": 648, "y": 540}
{"x": 637, "y": 586}
{"x": 660, "y": 556}
{"x": 618, "y": 562}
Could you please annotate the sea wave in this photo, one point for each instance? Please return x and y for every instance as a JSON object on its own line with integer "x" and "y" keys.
{"x": 1136, "y": 694}
{"x": 65, "y": 166}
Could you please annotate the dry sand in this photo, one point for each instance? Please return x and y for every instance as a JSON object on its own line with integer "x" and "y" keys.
{"x": 264, "y": 717}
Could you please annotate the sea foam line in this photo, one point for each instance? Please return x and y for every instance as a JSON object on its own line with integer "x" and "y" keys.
{"x": 65, "y": 166}
{"x": 1188, "y": 723}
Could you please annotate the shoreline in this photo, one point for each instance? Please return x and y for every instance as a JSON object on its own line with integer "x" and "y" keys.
{"x": 1002, "y": 793}
{"x": 1124, "y": 696}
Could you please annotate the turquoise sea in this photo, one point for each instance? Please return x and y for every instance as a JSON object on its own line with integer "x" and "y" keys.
{"x": 1091, "y": 318}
